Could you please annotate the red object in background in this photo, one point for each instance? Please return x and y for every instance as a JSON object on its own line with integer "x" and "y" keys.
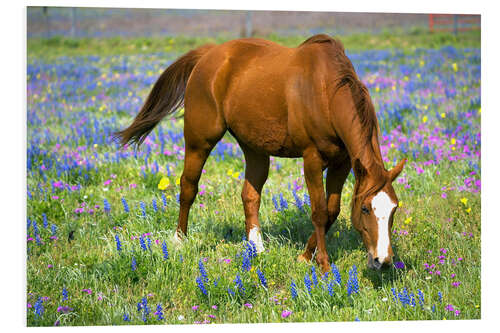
{"x": 454, "y": 22}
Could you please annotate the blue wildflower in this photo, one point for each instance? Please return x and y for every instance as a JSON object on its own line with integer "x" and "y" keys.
{"x": 230, "y": 291}
{"x": 45, "y": 222}
{"x": 38, "y": 307}
{"x": 420, "y": 298}
{"x": 181, "y": 259}
{"x": 143, "y": 208}
{"x": 314, "y": 276}
{"x": 307, "y": 200}
{"x": 251, "y": 249}
{"x": 164, "y": 250}
{"x": 164, "y": 199}
{"x": 118, "y": 243}
{"x": 155, "y": 207}
{"x": 64, "y": 294}
{"x": 440, "y": 297}
{"x": 298, "y": 202}
{"x": 125, "y": 205}
{"x": 106, "y": 205}
{"x": 330, "y": 286}
{"x": 262, "y": 278}
{"x": 246, "y": 265}
{"x": 394, "y": 295}
{"x": 159, "y": 312}
{"x": 53, "y": 229}
{"x": 307, "y": 282}
{"x": 275, "y": 203}
{"x": 126, "y": 317}
{"x": 201, "y": 285}
{"x": 143, "y": 243}
{"x": 134, "y": 264}
{"x": 352, "y": 282}
{"x": 293, "y": 289}
{"x": 149, "y": 243}
{"x": 404, "y": 298}
{"x": 283, "y": 203}
{"x": 143, "y": 306}
{"x": 239, "y": 284}
{"x": 203, "y": 271}
{"x": 433, "y": 308}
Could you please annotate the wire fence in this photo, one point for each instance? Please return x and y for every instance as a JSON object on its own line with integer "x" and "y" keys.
{"x": 49, "y": 22}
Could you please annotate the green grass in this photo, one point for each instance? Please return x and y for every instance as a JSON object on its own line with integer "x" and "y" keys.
{"x": 57, "y": 46}
{"x": 89, "y": 259}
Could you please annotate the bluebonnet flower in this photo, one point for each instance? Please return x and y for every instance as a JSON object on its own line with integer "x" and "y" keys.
{"x": 143, "y": 208}
{"x": 118, "y": 243}
{"x": 143, "y": 243}
{"x": 143, "y": 306}
{"x": 239, "y": 284}
{"x": 177, "y": 198}
{"x": 262, "y": 278}
{"x": 245, "y": 263}
{"x": 298, "y": 202}
{"x": 203, "y": 271}
{"x": 64, "y": 294}
{"x": 28, "y": 224}
{"x": 164, "y": 199}
{"x": 106, "y": 205}
{"x": 38, "y": 307}
{"x": 314, "y": 276}
{"x": 251, "y": 249}
{"x": 420, "y": 298}
{"x": 37, "y": 239}
{"x": 125, "y": 205}
{"x": 275, "y": 203}
{"x": 155, "y": 207}
{"x": 159, "y": 312}
{"x": 293, "y": 289}
{"x": 307, "y": 282}
{"x": 230, "y": 291}
{"x": 45, "y": 222}
{"x": 181, "y": 259}
{"x": 53, "y": 229}
{"x": 35, "y": 227}
{"x": 440, "y": 297}
{"x": 433, "y": 308}
{"x": 134, "y": 264}
{"x": 394, "y": 295}
{"x": 164, "y": 250}
{"x": 413, "y": 303}
{"x": 126, "y": 317}
{"x": 283, "y": 203}
{"x": 404, "y": 297}
{"x": 201, "y": 285}
{"x": 307, "y": 200}
{"x": 330, "y": 286}
{"x": 352, "y": 282}
{"x": 149, "y": 243}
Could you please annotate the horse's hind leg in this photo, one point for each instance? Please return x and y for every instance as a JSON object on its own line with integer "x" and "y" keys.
{"x": 335, "y": 178}
{"x": 202, "y": 130}
{"x": 256, "y": 172}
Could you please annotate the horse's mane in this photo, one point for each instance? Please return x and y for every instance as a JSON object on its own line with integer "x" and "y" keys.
{"x": 347, "y": 76}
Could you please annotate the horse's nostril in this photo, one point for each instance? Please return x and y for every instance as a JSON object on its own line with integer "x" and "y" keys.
{"x": 376, "y": 263}
{"x": 376, "y": 260}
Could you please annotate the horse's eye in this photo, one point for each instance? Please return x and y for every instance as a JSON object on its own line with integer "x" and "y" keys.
{"x": 365, "y": 210}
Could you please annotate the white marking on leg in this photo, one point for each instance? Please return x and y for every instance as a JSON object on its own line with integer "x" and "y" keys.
{"x": 382, "y": 207}
{"x": 177, "y": 238}
{"x": 255, "y": 236}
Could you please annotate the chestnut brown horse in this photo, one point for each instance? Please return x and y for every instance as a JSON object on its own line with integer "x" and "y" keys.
{"x": 277, "y": 101}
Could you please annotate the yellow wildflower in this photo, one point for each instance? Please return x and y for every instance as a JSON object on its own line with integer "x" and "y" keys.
{"x": 455, "y": 67}
{"x": 464, "y": 201}
{"x": 236, "y": 175}
{"x": 229, "y": 172}
{"x": 424, "y": 119}
{"x": 468, "y": 210}
{"x": 408, "y": 220}
{"x": 163, "y": 184}
{"x": 178, "y": 181}
{"x": 443, "y": 115}
{"x": 400, "y": 204}
{"x": 453, "y": 141}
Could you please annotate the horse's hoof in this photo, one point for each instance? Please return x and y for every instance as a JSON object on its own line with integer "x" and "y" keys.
{"x": 303, "y": 258}
{"x": 176, "y": 239}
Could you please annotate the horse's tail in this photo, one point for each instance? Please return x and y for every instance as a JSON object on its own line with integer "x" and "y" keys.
{"x": 165, "y": 98}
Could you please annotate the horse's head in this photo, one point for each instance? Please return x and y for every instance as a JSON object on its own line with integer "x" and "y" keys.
{"x": 373, "y": 207}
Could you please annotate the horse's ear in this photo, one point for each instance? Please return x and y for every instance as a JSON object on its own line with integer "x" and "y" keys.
{"x": 359, "y": 169}
{"x": 394, "y": 173}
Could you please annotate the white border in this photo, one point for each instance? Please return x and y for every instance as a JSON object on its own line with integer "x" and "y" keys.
{"x": 13, "y": 119}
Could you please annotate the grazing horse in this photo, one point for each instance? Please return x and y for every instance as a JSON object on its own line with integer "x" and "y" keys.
{"x": 289, "y": 102}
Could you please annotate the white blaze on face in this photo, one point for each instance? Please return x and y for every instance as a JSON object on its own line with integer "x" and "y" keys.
{"x": 382, "y": 206}
{"x": 255, "y": 236}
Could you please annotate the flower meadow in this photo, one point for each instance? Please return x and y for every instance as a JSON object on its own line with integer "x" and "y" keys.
{"x": 100, "y": 219}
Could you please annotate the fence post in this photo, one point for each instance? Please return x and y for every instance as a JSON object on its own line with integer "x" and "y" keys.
{"x": 248, "y": 25}
{"x": 431, "y": 23}
{"x": 455, "y": 24}
{"x": 47, "y": 22}
{"x": 73, "y": 22}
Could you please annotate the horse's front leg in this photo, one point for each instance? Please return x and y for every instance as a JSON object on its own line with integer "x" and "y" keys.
{"x": 335, "y": 178}
{"x": 313, "y": 172}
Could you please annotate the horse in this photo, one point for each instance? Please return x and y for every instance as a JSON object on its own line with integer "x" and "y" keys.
{"x": 274, "y": 100}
